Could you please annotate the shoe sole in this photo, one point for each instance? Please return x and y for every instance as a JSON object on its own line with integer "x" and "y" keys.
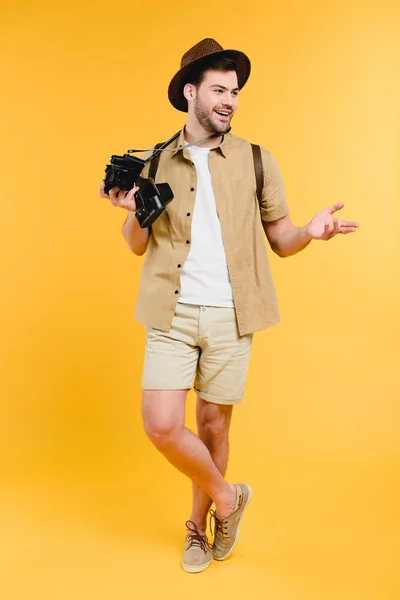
{"x": 195, "y": 568}
{"x": 238, "y": 529}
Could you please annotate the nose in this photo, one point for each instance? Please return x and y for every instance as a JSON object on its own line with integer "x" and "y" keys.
{"x": 228, "y": 100}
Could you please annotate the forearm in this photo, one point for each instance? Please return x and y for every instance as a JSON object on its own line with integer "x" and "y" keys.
{"x": 136, "y": 237}
{"x": 291, "y": 242}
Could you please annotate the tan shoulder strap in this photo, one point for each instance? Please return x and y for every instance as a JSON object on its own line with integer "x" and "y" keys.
{"x": 258, "y": 168}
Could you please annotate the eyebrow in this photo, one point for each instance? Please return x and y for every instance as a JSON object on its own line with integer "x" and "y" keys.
{"x": 224, "y": 88}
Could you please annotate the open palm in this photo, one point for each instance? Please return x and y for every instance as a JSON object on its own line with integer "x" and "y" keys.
{"x": 323, "y": 226}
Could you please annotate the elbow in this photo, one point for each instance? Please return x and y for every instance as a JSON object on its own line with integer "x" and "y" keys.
{"x": 138, "y": 250}
{"x": 278, "y": 251}
{"x": 281, "y": 254}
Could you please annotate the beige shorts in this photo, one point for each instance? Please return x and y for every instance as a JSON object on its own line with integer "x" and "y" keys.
{"x": 202, "y": 348}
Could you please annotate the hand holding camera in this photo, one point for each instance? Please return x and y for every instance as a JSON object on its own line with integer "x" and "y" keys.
{"x": 121, "y": 198}
{"x": 123, "y": 173}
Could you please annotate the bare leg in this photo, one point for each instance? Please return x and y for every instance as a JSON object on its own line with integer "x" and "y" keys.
{"x": 213, "y": 421}
{"x": 164, "y": 418}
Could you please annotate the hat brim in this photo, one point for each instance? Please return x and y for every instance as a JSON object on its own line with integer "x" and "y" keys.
{"x": 178, "y": 82}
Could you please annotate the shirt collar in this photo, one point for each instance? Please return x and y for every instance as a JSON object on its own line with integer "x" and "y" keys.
{"x": 222, "y": 147}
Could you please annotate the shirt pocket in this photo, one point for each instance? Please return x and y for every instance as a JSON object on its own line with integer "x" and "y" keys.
{"x": 244, "y": 198}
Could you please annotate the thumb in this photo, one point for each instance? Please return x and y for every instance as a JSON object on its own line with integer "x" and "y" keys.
{"x": 130, "y": 200}
{"x": 131, "y": 193}
{"x": 335, "y": 207}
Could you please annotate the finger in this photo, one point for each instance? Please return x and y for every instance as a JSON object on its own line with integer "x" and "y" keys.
{"x": 347, "y": 229}
{"x": 131, "y": 193}
{"x": 130, "y": 206}
{"x": 334, "y": 231}
{"x": 335, "y": 207}
{"x": 114, "y": 195}
{"x": 349, "y": 224}
{"x": 121, "y": 196}
{"x": 131, "y": 202}
{"x": 102, "y": 192}
{"x": 336, "y": 227}
{"x": 126, "y": 202}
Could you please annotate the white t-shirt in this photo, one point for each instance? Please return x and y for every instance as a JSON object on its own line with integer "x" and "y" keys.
{"x": 205, "y": 278}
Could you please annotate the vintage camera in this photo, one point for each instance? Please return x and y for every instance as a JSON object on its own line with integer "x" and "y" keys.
{"x": 151, "y": 198}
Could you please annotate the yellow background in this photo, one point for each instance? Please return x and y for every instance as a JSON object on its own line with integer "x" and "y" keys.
{"x": 88, "y": 508}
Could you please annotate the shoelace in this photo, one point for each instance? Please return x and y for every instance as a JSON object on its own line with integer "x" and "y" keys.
{"x": 195, "y": 538}
{"x": 220, "y": 525}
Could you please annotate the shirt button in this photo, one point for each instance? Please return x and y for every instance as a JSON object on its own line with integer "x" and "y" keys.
{"x": 192, "y": 189}
{"x": 188, "y": 241}
{"x": 179, "y": 266}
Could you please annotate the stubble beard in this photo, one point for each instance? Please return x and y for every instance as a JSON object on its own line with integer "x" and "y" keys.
{"x": 205, "y": 119}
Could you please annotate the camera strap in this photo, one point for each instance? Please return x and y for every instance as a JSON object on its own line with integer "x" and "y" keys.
{"x": 155, "y": 157}
{"x": 163, "y": 147}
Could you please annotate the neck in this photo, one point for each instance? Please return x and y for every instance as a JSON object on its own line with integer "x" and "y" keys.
{"x": 194, "y": 131}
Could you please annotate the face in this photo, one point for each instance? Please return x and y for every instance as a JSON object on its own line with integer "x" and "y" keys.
{"x": 215, "y": 100}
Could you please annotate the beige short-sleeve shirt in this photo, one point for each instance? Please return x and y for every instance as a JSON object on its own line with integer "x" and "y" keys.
{"x": 240, "y": 215}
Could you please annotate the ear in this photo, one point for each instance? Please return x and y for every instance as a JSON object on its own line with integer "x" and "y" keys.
{"x": 189, "y": 91}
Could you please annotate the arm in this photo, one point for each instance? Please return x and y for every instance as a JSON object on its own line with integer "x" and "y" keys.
{"x": 136, "y": 237}
{"x": 285, "y": 239}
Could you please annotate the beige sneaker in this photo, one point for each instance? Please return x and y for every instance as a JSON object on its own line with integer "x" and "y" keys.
{"x": 197, "y": 554}
{"x": 226, "y": 530}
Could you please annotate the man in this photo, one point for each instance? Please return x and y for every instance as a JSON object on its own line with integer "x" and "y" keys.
{"x": 206, "y": 285}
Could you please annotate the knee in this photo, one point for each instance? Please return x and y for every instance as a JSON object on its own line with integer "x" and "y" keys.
{"x": 161, "y": 433}
{"x": 214, "y": 426}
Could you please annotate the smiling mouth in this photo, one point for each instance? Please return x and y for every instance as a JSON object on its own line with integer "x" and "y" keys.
{"x": 223, "y": 115}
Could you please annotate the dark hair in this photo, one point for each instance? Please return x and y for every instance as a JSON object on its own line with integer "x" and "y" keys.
{"x": 220, "y": 63}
